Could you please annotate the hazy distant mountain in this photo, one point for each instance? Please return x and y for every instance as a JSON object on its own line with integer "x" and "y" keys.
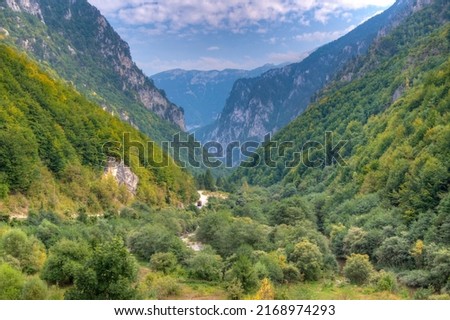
{"x": 202, "y": 94}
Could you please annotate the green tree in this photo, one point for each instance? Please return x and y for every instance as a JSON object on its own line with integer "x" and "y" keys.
{"x": 11, "y": 283}
{"x": 165, "y": 262}
{"x": 34, "y": 289}
{"x": 108, "y": 274}
{"x": 308, "y": 259}
{"x": 358, "y": 268}
{"x": 29, "y": 252}
{"x": 65, "y": 259}
{"x": 152, "y": 239}
{"x": 209, "y": 181}
{"x": 244, "y": 272}
{"x": 205, "y": 266}
{"x": 394, "y": 252}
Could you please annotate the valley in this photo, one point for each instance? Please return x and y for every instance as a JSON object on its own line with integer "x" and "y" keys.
{"x": 84, "y": 215}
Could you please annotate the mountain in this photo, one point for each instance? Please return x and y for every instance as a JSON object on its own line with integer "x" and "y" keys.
{"x": 267, "y": 103}
{"x": 391, "y": 107}
{"x": 75, "y": 40}
{"x": 55, "y": 145}
{"x": 202, "y": 94}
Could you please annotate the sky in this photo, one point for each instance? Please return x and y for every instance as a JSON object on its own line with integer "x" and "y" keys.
{"x": 240, "y": 34}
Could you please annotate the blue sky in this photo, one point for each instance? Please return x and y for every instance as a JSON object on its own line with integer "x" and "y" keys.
{"x": 215, "y": 34}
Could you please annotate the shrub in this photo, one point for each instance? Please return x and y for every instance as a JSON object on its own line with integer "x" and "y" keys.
{"x": 11, "y": 283}
{"x": 34, "y": 289}
{"x": 165, "y": 262}
{"x": 415, "y": 278}
{"x": 235, "y": 290}
{"x": 205, "y": 266}
{"x": 308, "y": 259}
{"x": 266, "y": 291}
{"x": 386, "y": 281}
{"x": 358, "y": 269}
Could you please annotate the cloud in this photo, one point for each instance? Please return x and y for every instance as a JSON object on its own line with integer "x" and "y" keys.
{"x": 322, "y": 36}
{"x": 232, "y": 15}
{"x": 277, "y": 58}
{"x": 213, "y": 48}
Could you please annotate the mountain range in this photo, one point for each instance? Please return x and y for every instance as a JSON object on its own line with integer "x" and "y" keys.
{"x": 267, "y": 103}
{"x": 202, "y": 94}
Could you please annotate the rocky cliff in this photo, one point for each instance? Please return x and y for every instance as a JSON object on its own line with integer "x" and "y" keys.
{"x": 78, "y": 42}
{"x": 267, "y": 103}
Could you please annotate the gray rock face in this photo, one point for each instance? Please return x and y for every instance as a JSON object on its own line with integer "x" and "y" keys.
{"x": 123, "y": 175}
{"x": 81, "y": 45}
{"x": 29, "y": 6}
{"x": 267, "y": 103}
{"x": 202, "y": 94}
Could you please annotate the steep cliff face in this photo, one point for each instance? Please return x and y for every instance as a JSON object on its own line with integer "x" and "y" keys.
{"x": 123, "y": 175}
{"x": 265, "y": 104}
{"x": 79, "y": 43}
{"x": 202, "y": 94}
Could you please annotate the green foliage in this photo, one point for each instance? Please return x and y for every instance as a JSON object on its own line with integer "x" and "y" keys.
{"x": 205, "y": 266}
{"x": 65, "y": 259}
{"x": 235, "y": 290}
{"x": 395, "y": 253}
{"x": 34, "y": 289}
{"x": 358, "y": 269}
{"x": 52, "y": 146}
{"x": 108, "y": 274}
{"x": 242, "y": 272}
{"x": 308, "y": 259}
{"x": 27, "y": 251}
{"x": 153, "y": 239}
{"x": 386, "y": 281}
{"x": 11, "y": 282}
{"x": 165, "y": 262}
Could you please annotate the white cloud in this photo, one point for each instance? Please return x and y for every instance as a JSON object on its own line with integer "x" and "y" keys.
{"x": 282, "y": 57}
{"x": 231, "y": 14}
{"x": 322, "y": 36}
{"x": 213, "y": 48}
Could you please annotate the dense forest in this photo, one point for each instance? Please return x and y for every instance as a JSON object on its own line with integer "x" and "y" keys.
{"x": 373, "y": 226}
{"x": 51, "y": 151}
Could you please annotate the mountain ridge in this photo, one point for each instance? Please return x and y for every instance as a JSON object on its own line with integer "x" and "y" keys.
{"x": 80, "y": 44}
{"x": 202, "y": 94}
{"x": 265, "y": 104}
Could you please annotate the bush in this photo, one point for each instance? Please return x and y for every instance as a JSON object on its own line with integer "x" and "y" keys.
{"x": 358, "y": 269}
{"x": 386, "y": 281}
{"x": 308, "y": 259}
{"x": 395, "y": 253}
{"x": 235, "y": 290}
{"x": 205, "y": 266}
{"x": 64, "y": 260}
{"x": 266, "y": 291}
{"x": 11, "y": 283}
{"x": 161, "y": 287}
{"x": 415, "y": 278}
{"x": 34, "y": 289}
{"x": 165, "y": 262}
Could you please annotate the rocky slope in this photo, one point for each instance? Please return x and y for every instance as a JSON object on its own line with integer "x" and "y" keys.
{"x": 202, "y": 94}
{"x": 73, "y": 38}
{"x": 267, "y": 103}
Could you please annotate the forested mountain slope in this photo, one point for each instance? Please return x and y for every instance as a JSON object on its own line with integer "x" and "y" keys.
{"x": 75, "y": 40}
{"x": 267, "y": 103}
{"x": 390, "y": 200}
{"x": 51, "y": 149}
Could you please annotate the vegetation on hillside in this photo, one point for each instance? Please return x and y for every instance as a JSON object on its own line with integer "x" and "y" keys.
{"x": 51, "y": 150}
